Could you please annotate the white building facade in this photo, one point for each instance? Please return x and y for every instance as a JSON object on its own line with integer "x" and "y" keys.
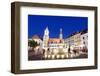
{"x": 78, "y": 41}
{"x": 84, "y": 40}
{"x": 59, "y": 47}
{"x": 53, "y": 46}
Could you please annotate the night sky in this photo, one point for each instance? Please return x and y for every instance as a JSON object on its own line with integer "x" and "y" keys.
{"x": 69, "y": 25}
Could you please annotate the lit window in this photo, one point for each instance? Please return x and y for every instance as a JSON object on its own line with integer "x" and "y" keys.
{"x": 83, "y": 42}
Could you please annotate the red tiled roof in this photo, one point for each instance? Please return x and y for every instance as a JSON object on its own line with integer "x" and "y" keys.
{"x": 35, "y": 37}
{"x": 55, "y": 40}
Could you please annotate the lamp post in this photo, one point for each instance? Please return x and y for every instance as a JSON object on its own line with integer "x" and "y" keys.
{"x": 69, "y": 51}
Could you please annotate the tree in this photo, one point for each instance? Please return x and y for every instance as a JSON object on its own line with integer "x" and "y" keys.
{"x": 32, "y": 43}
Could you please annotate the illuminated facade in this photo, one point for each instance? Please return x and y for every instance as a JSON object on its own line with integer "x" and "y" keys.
{"x": 78, "y": 40}
{"x": 84, "y": 40}
{"x": 54, "y": 47}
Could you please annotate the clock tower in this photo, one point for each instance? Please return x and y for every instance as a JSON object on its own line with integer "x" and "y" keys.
{"x": 46, "y": 37}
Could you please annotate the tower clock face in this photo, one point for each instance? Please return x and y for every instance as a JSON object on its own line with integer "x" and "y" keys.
{"x": 46, "y": 32}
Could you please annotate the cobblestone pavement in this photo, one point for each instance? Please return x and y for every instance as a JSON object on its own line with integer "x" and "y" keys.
{"x": 40, "y": 56}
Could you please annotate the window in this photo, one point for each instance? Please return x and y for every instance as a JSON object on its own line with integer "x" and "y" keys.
{"x": 83, "y": 42}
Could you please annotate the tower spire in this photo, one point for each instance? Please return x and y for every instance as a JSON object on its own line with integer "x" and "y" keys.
{"x": 61, "y": 35}
{"x": 46, "y": 37}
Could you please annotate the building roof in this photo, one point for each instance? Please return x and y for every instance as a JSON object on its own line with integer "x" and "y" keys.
{"x": 55, "y": 40}
{"x": 74, "y": 33}
{"x": 81, "y": 32}
{"x": 35, "y": 37}
{"x": 84, "y": 31}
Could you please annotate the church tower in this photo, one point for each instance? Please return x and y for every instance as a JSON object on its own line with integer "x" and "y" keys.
{"x": 46, "y": 37}
{"x": 61, "y": 35}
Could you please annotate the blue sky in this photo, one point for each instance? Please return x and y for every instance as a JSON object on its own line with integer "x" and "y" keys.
{"x": 38, "y": 23}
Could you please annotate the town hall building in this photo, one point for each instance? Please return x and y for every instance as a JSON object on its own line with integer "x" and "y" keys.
{"x": 53, "y": 46}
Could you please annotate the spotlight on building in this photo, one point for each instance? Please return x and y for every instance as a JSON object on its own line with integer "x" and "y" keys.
{"x": 67, "y": 55}
{"x": 57, "y": 56}
{"x": 62, "y": 56}
{"x": 45, "y": 56}
{"x": 53, "y": 56}
{"x": 49, "y": 56}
